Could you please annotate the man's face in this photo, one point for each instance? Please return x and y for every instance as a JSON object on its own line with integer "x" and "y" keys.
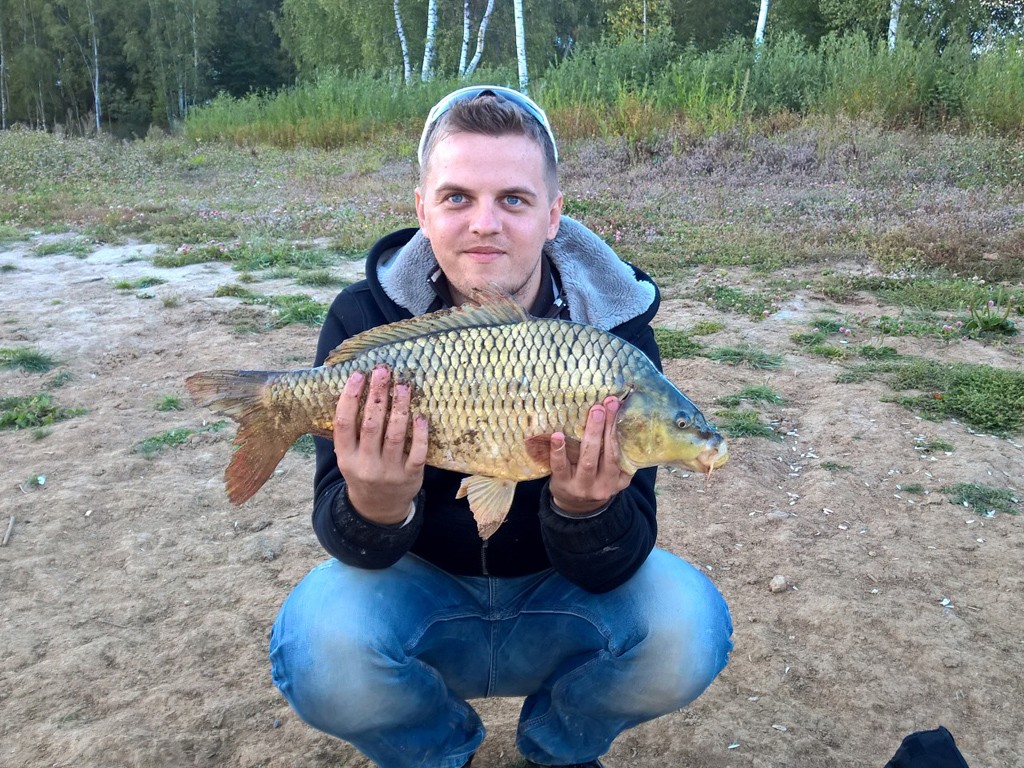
{"x": 486, "y": 209}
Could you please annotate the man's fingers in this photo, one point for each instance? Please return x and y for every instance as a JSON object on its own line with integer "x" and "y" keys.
{"x": 398, "y": 423}
{"x": 375, "y": 410}
{"x": 418, "y": 446}
{"x": 593, "y": 439}
{"x": 557, "y": 456}
{"x": 346, "y": 414}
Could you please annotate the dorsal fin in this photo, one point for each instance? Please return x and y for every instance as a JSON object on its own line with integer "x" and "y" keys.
{"x": 492, "y": 309}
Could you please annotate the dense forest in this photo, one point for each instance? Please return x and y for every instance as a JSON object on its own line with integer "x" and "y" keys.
{"x": 119, "y": 66}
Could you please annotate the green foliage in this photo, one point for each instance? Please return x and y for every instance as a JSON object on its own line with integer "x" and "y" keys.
{"x": 33, "y": 411}
{"x": 138, "y": 284}
{"x": 755, "y": 394}
{"x": 26, "y": 359}
{"x": 304, "y": 446}
{"x": 74, "y": 247}
{"x": 743, "y": 423}
{"x": 728, "y": 298}
{"x": 169, "y": 403}
{"x": 173, "y": 437}
{"x": 706, "y": 327}
{"x": 984, "y": 499}
{"x": 286, "y": 309}
{"x": 982, "y": 397}
{"x": 676, "y": 344}
{"x": 926, "y": 446}
{"x": 745, "y": 354}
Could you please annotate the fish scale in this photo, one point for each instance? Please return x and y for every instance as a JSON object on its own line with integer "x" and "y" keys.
{"x": 494, "y": 384}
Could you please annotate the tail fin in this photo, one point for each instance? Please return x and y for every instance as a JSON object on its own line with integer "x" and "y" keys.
{"x": 264, "y": 435}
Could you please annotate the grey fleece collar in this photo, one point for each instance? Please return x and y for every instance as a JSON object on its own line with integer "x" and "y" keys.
{"x": 600, "y": 288}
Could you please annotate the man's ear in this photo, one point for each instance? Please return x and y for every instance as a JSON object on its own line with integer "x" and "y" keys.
{"x": 418, "y": 193}
{"x": 555, "y": 217}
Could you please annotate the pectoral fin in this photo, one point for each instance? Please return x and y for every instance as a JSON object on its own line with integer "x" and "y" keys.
{"x": 489, "y": 500}
{"x": 538, "y": 447}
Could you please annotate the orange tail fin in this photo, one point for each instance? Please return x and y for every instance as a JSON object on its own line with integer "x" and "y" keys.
{"x": 262, "y": 439}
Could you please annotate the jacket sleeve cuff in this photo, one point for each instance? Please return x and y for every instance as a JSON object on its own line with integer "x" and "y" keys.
{"x": 354, "y": 540}
{"x": 580, "y": 535}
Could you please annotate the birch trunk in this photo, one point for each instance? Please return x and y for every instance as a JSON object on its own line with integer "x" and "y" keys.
{"x": 3, "y": 80}
{"x": 524, "y": 78}
{"x": 894, "y": 22}
{"x": 762, "y": 21}
{"x": 94, "y": 35}
{"x": 464, "y": 55}
{"x": 428, "y": 49}
{"x": 400, "y": 29}
{"x": 481, "y": 34}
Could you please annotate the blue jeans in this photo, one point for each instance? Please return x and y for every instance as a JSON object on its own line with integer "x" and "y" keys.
{"x": 386, "y": 659}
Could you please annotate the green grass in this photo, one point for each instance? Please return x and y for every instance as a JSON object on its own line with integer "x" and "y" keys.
{"x": 984, "y": 398}
{"x": 286, "y": 309}
{"x": 9, "y": 234}
{"x": 33, "y": 411}
{"x": 745, "y": 355}
{"x": 174, "y": 437}
{"x": 914, "y": 488}
{"x": 727, "y": 298}
{"x": 676, "y": 344}
{"x": 304, "y": 445}
{"x": 169, "y": 403}
{"x": 706, "y": 327}
{"x": 76, "y": 247}
{"x": 984, "y": 499}
{"x": 872, "y": 352}
{"x": 743, "y": 423}
{"x": 7, "y": 267}
{"x": 138, "y": 284}
{"x": 26, "y": 359}
{"x": 834, "y": 466}
{"x": 171, "y": 302}
{"x": 59, "y": 380}
{"x": 755, "y": 394}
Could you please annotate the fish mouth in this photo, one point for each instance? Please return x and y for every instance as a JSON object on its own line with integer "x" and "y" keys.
{"x": 712, "y": 458}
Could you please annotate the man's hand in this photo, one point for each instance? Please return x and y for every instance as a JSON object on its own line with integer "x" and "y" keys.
{"x": 591, "y": 482}
{"x": 382, "y": 478}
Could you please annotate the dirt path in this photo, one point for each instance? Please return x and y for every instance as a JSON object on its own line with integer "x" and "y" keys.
{"x": 136, "y": 601}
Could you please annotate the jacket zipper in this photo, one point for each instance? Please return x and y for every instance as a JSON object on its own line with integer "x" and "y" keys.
{"x": 483, "y": 558}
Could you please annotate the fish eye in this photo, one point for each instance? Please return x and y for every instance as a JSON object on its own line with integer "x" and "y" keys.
{"x": 681, "y": 422}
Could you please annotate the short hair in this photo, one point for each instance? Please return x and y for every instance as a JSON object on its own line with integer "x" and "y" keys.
{"x": 489, "y": 114}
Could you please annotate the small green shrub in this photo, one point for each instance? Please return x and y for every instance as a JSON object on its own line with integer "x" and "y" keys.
{"x": 743, "y": 423}
{"x": 756, "y": 394}
{"x": 33, "y": 411}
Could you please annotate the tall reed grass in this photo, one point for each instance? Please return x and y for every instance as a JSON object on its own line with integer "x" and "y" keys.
{"x": 643, "y": 90}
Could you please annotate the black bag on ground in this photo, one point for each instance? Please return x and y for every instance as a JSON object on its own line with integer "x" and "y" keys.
{"x": 928, "y": 749}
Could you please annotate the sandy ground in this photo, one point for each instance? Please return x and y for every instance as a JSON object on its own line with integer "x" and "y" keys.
{"x": 136, "y": 601}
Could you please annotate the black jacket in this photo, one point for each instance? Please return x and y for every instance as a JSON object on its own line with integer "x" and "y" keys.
{"x": 597, "y": 553}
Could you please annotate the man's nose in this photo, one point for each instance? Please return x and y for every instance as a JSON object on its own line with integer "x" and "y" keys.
{"x": 486, "y": 218}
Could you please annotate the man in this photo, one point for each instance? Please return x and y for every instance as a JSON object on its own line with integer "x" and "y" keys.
{"x": 568, "y": 604}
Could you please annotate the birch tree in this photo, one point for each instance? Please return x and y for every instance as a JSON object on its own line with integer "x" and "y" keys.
{"x": 480, "y": 35}
{"x": 3, "y": 78}
{"x": 427, "y": 73}
{"x": 524, "y": 78}
{"x": 894, "y": 21}
{"x": 464, "y": 50}
{"x": 400, "y": 31}
{"x": 762, "y": 20}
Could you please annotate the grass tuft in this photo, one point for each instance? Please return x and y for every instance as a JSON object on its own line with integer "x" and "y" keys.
{"x": 756, "y": 394}
{"x": 676, "y": 344}
{"x": 33, "y": 411}
{"x": 743, "y": 423}
{"x": 138, "y": 284}
{"x": 985, "y": 499}
{"x": 26, "y": 359}
{"x": 745, "y": 354}
{"x": 174, "y": 437}
{"x": 169, "y": 403}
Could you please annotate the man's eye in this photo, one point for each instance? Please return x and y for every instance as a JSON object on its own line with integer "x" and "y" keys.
{"x": 513, "y": 200}
{"x": 456, "y": 198}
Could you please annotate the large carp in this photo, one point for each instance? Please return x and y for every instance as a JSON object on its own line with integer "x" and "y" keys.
{"x": 494, "y": 384}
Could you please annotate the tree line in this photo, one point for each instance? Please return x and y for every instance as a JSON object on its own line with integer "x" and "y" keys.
{"x": 123, "y": 65}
